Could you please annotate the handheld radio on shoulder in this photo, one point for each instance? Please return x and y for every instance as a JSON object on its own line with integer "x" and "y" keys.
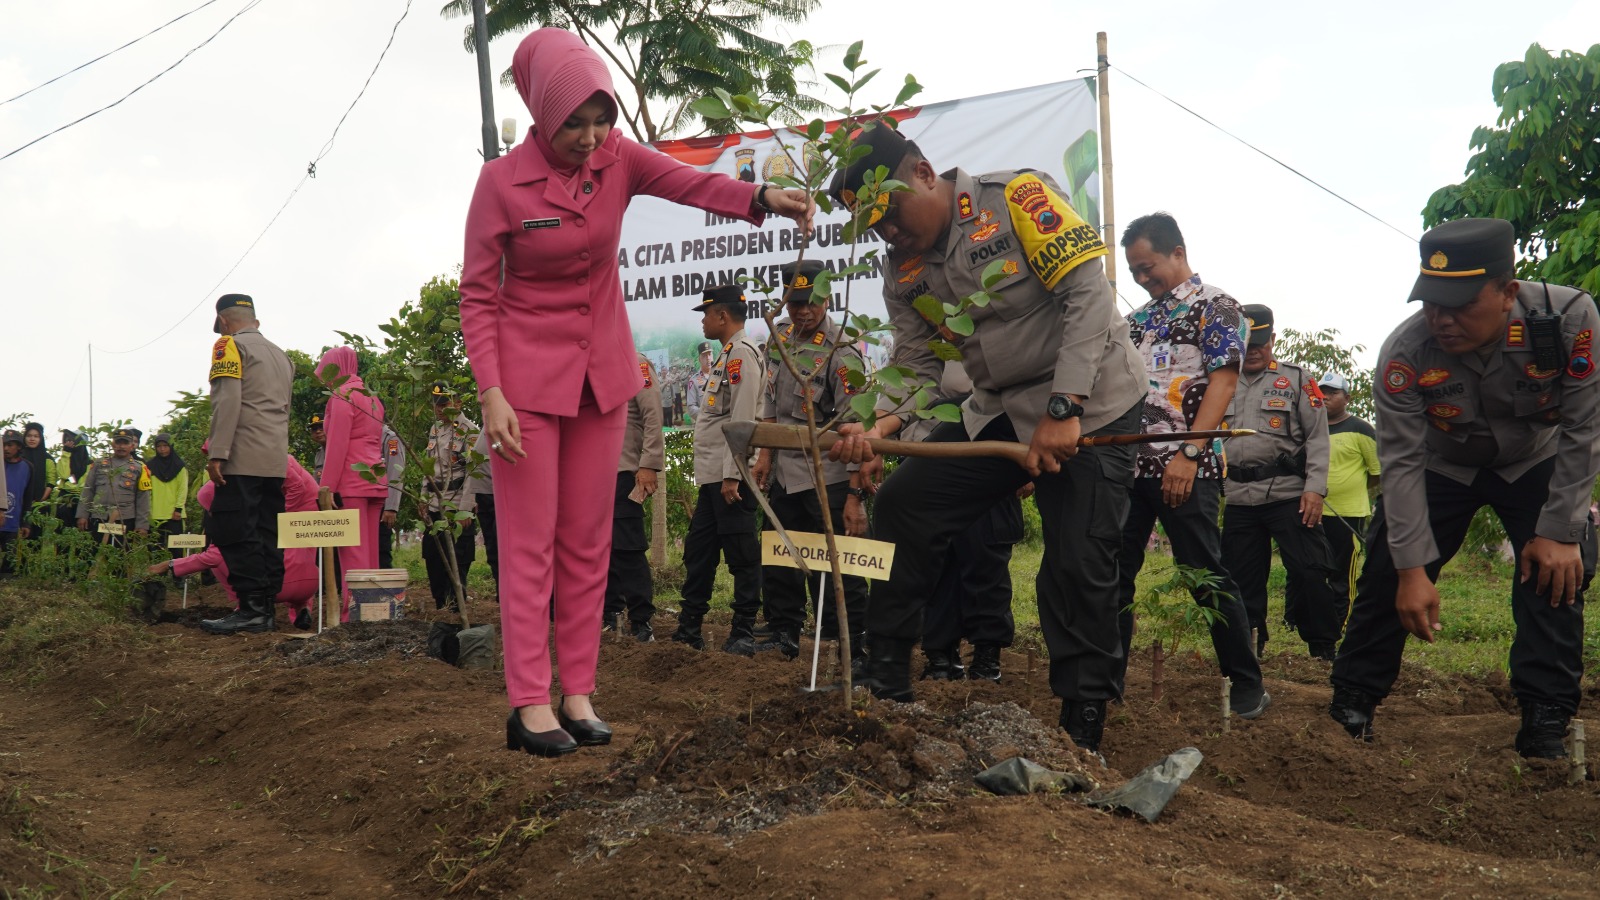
{"x": 1544, "y": 334}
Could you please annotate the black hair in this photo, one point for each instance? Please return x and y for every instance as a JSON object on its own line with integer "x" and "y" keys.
{"x": 1159, "y": 228}
{"x": 738, "y": 312}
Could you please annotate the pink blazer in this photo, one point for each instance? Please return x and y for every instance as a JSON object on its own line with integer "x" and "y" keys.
{"x": 560, "y": 316}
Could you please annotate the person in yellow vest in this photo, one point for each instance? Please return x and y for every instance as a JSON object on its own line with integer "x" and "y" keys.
{"x": 169, "y": 488}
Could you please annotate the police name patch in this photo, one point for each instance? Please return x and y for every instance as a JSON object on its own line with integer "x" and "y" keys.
{"x": 1054, "y": 239}
{"x": 225, "y": 362}
{"x": 982, "y": 254}
{"x": 531, "y": 224}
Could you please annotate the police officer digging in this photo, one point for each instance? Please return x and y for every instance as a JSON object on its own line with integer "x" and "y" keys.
{"x": 815, "y": 344}
{"x": 724, "y": 521}
{"x": 1486, "y": 397}
{"x": 1050, "y": 361}
{"x": 1277, "y": 479}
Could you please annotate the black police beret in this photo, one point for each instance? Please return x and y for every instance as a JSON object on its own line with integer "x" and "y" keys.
{"x": 1460, "y": 257}
{"x": 1260, "y": 323}
{"x": 887, "y": 147}
{"x": 728, "y": 293}
{"x": 799, "y": 279}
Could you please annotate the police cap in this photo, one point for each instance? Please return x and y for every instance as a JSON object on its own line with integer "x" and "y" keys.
{"x": 12, "y": 436}
{"x": 441, "y": 393}
{"x": 229, "y": 301}
{"x": 1260, "y": 323}
{"x": 886, "y": 147}
{"x": 124, "y": 434}
{"x": 315, "y": 424}
{"x": 728, "y": 293}
{"x": 799, "y": 278}
{"x": 1460, "y": 257}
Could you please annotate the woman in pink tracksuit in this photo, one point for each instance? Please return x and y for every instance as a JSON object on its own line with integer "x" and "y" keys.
{"x": 353, "y": 423}
{"x": 554, "y": 359}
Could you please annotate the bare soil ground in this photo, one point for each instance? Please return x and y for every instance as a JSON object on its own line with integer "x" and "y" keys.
{"x": 353, "y": 766}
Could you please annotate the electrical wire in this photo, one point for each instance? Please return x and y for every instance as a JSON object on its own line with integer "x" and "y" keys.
{"x": 1330, "y": 191}
{"x": 117, "y": 102}
{"x": 74, "y": 386}
{"x": 108, "y": 53}
{"x": 310, "y": 173}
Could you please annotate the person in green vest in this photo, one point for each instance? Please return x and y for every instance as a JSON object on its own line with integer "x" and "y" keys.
{"x": 169, "y": 488}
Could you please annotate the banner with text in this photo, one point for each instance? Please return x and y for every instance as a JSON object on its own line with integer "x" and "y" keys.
{"x": 669, "y": 254}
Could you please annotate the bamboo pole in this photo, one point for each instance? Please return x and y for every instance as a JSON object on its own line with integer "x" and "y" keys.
{"x": 1108, "y": 231}
{"x": 331, "y": 600}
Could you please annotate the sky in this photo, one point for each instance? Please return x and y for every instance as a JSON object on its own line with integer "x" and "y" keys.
{"x": 116, "y": 233}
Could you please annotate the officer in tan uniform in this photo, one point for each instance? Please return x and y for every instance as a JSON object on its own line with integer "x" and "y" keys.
{"x": 1050, "y": 361}
{"x": 248, "y": 453}
{"x": 815, "y": 341}
{"x": 724, "y": 520}
{"x": 1487, "y": 396}
{"x": 644, "y": 455}
{"x": 1277, "y": 479}
{"x": 445, "y": 491}
{"x": 116, "y": 489}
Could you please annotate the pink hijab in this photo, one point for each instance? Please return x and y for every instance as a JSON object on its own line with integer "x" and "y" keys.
{"x": 556, "y": 72}
{"x": 344, "y": 360}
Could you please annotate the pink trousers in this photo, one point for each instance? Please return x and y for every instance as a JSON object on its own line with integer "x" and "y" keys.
{"x": 553, "y": 512}
{"x": 365, "y": 554}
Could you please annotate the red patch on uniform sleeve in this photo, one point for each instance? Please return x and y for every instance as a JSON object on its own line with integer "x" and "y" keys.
{"x": 733, "y": 370}
{"x": 644, "y": 369}
{"x": 1314, "y": 393}
{"x": 1581, "y": 363}
{"x": 844, "y": 378}
{"x": 1398, "y": 376}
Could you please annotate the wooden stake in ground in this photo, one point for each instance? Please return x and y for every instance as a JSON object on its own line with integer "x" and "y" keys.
{"x": 1107, "y": 207}
{"x": 331, "y": 601}
{"x": 1227, "y": 704}
{"x": 1575, "y": 752}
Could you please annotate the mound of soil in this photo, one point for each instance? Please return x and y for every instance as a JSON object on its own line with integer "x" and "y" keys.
{"x": 349, "y": 765}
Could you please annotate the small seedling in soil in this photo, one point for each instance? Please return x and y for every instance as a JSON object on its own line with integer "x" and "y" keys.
{"x": 1175, "y": 618}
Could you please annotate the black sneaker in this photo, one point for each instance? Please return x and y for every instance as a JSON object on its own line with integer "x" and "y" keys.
{"x": 1544, "y": 731}
{"x": 1353, "y": 710}
{"x": 942, "y": 665}
{"x": 302, "y": 619}
{"x": 689, "y": 633}
{"x": 1084, "y": 722}
{"x": 786, "y": 644}
{"x": 1324, "y": 650}
{"x": 643, "y": 633}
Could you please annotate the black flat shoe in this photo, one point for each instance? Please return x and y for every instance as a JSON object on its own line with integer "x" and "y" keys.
{"x": 587, "y": 732}
{"x": 543, "y": 743}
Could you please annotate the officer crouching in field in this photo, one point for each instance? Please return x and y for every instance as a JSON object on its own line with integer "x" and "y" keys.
{"x": 1486, "y": 397}
{"x": 1277, "y": 479}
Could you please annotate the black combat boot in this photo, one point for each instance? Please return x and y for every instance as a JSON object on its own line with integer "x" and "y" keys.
{"x": 1085, "y": 722}
{"x": 1323, "y": 650}
{"x": 985, "y": 663}
{"x": 785, "y": 642}
{"x": 689, "y": 632}
{"x": 254, "y": 616}
{"x": 944, "y": 664}
{"x": 1543, "y": 732}
{"x": 741, "y": 637}
{"x": 1353, "y": 710}
{"x": 643, "y": 633}
{"x": 889, "y": 669}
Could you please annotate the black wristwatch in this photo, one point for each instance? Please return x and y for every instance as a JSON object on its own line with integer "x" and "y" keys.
{"x": 1189, "y": 451}
{"x": 855, "y": 492}
{"x": 761, "y": 198}
{"x": 1063, "y": 407}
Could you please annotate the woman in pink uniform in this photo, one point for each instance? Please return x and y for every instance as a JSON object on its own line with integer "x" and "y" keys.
{"x": 353, "y": 423}
{"x": 554, "y": 359}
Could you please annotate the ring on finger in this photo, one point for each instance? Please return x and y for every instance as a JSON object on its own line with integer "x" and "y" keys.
{"x": 495, "y": 446}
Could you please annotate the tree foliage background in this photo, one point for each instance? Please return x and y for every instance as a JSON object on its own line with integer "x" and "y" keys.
{"x": 672, "y": 52}
{"x": 1536, "y": 166}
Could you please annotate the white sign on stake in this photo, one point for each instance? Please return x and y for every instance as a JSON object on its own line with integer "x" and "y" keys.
{"x": 857, "y": 556}
{"x": 186, "y": 542}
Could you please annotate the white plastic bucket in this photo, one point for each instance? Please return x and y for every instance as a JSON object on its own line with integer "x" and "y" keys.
{"x": 377, "y": 595}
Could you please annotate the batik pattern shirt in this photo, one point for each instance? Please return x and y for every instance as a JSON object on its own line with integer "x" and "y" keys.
{"x": 1183, "y": 336}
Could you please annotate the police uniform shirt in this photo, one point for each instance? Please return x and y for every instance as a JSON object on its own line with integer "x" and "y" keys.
{"x": 481, "y": 481}
{"x": 251, "y": 379}
{"x": 1283, "y": 405}
{"x": 117, "y": 489}
{"x": 1182, "y": 336}
{"x": 643, "y": 446}
{"x": 394, "y": 464}
{"x": 733, "y": 393}
{"x": 784, "y": 399}
{"x": 447, "y": 449}
{"x": 1053, "y": 326}
{"x": 1493, "y": 409}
